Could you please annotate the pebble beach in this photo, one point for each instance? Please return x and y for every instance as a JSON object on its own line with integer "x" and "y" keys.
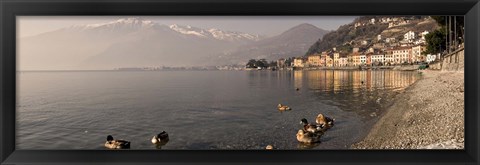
{"x": 427, "y": 115}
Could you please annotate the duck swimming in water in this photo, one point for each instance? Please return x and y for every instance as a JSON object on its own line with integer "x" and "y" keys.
{"x": 116, "y": 144}
{"x": 161, "y": 138}
{"x": 283, "y": 107}
{"x": 308, "y": 137}
{"x": 312, "y": 128}
{"x": 324, "y": 121}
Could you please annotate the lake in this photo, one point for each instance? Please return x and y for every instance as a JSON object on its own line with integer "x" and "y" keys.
{"x": 199, "y": 109}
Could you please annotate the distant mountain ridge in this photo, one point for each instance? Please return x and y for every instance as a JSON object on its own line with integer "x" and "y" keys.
{"x": 133, "y": 24}
{"x": 135, "y": 42}
{"x": 293, "y": 42}
{"x": 128, "y": 42}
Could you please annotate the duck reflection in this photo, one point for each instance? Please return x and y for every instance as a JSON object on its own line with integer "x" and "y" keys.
{"x": 306, "y": 146}
{"x": 161, "y": 144}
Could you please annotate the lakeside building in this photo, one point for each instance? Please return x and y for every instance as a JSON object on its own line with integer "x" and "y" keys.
{"x": 363, "y": 59}
{"x": 389, "y": 60}
{"x": 402, "y": 54}
{"x": 314, "y": 61}
{"x": 369, "y": 59}
{"x": 328, "y": 61}
{"x": 417, "y": 53}
{"x": 350, "y": 60}
{"x": 323, "y": 59}
{"x": 378, "y": 59}
{"x": 343, "y": 62}
{"x": 356, "y": 59}
{"x": 298, "y": 62}
{"x": 336, "y": 59}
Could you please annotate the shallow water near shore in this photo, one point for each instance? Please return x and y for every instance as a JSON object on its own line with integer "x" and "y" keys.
{"x": 199, "y": 109}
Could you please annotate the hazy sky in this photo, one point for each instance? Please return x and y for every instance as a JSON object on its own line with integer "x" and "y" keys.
{"x": 263, "y": 25}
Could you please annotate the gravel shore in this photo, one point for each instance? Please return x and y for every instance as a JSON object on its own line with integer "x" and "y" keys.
{"x": 427, "y": 115}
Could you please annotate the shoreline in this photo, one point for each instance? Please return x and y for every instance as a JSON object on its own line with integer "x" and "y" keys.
{"x": 427, "y": 115}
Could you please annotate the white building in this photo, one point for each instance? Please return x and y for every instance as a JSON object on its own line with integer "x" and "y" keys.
{"x": 378, "y": 58}
{"x": 389, "y": 59}
{"x": 298, "y": 62}
{"x": 343, "y": 61}
{"x": 363, "y": 59}
{"x": 402, "y": 54}
{"x": 423, "y": 34}
{"x": 388, "y": 40}
{"x": 409, "y": 36}
{"x": 430, "y": 58}
{"x": 364, "y": 42}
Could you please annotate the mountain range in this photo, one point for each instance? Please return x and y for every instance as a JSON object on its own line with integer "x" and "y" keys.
{"x": 135, "y": 42}
{"x": 291, "y": 43}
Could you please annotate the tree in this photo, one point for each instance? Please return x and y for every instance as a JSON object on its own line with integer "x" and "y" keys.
{"x": 289, "y": 61}
{"x": 272, "y": 64}
{"x": 457, "y": 26}
{"x": 261, "y": 63}
{"x": 435, "y": 42}
{"x": 251, "y": 63}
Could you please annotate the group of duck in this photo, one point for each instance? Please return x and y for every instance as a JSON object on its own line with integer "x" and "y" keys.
{"x": 159, "y": 139}
{"x": 312, "y": 132}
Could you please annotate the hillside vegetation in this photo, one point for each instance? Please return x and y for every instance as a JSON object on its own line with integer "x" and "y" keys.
{"x": 363, "y": 33}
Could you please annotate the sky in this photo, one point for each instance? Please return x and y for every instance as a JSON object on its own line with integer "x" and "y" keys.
{"x": 263, "y": 25}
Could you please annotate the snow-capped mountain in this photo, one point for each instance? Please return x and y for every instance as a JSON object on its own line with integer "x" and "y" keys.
{"x": 128, "y": 42}
{"x": 215, "y": 33}
{"x": 134, "y": 24}
{"x": 135, "y": 42}
{"x": 125, "y": 23}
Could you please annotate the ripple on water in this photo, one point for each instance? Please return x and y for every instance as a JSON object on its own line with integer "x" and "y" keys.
{"x": 199, "y": 110}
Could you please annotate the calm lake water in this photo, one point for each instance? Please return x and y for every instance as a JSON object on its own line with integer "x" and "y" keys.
{"x": 199, "y": 109}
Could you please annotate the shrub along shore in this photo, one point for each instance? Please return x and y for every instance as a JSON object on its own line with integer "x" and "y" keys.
{"x": 427, "y": 115}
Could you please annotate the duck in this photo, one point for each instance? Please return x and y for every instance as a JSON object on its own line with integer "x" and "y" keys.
{"x": 324, "y": 121}
{"x": 116, "y": 144}
{"x": 283, "y": 107}
{"x": 161, "y": 138}
{"x": 308, "y": 137}
{"x": 311, "y": 127}
{"x": 269, "y": 147}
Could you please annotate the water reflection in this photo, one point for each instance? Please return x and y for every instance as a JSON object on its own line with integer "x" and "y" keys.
{"x": 222, "y": 106}
{"x": 161, "y": 144}
{"x": 365, "y": 93}
{"x": 304, "y": 146}
{"x": 298, "y": 74}
{"x": 340, "y": 80}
